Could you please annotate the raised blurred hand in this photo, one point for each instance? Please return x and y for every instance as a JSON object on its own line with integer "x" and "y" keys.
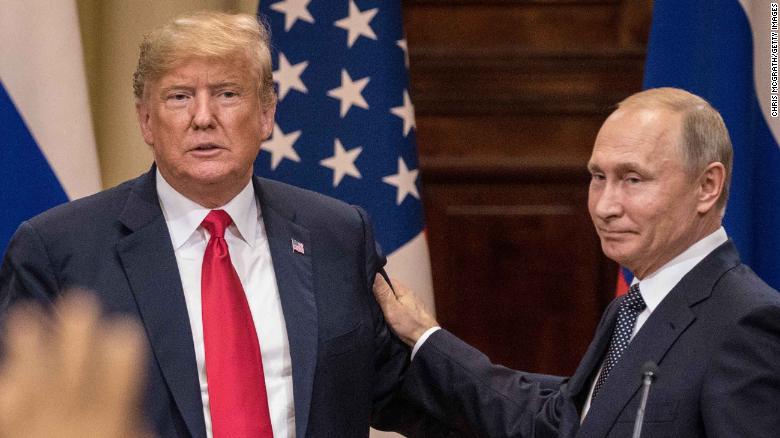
{"x": 71, "y": 374}
{"x": 405, "y": 313}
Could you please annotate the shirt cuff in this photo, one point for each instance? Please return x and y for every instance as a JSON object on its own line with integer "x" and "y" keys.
{"x": 422, "y": 340}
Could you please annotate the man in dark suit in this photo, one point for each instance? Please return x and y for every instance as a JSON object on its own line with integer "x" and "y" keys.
{"x": 255, "y": 296}
{"x": 660, "y": 171}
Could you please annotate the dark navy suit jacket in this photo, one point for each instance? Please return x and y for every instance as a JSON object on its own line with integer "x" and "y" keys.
{"x": 715, "y": 338}
{"x": 345, "y": 362}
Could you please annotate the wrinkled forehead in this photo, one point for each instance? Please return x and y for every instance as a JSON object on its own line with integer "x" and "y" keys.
{"x": 239, "y": 61}
{"x": 235, "y": 68}
{"x": 639, "y": 134}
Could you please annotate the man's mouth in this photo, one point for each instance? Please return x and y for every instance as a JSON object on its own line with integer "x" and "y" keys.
{"x": 613, "y": 233}
{"x": 206, "y": 147}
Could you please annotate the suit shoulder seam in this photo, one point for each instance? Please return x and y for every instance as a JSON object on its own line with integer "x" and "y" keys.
{"x": 49, "y": 265}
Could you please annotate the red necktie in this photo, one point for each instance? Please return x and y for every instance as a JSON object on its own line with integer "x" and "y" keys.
{"x": 234, "y": 368}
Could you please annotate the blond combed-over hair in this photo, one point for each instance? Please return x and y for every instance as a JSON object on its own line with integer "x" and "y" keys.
{"x": 208, "y": 35}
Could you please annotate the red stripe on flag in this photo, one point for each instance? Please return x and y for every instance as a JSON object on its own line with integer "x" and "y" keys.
{"x": 622, "y": 285}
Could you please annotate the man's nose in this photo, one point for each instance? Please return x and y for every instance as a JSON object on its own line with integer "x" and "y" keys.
{"x": 203, "y": 116}
{"x": 608, "y": 203}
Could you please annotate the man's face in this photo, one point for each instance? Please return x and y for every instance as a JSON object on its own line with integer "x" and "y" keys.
{"x": 641, "y": 200}
{"x": 205, "y": 122}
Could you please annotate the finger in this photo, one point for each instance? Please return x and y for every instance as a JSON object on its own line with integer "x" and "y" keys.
{"x": 120, "y": 362}
{"x": 399, "y": 290}
{"x": 27, "y": 344}
{"x": 382, "y": 291}
{"x": 24, "y": 368}
{"x": 78, "y": 316}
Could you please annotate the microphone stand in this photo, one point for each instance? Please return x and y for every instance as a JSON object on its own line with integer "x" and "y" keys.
{"x": 649, "y": 372}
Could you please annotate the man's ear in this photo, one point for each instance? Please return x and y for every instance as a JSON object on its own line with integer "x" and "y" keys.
{"x": 268, "y": 121}
{"x": 710, "y": 186}
{"x": 144, "y": 120}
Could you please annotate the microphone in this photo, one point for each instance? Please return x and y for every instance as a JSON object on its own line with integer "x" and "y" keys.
{"x": 649, "y": 373}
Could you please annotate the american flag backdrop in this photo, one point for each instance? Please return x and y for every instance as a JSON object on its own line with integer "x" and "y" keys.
{"x": 345, "y": 122}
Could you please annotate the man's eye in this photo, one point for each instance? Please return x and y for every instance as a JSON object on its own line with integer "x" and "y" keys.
{"x": 177, "y": 96}
{"x": 597, "y": 177}
{"x": 229, "y": 94}
{"x": 633, "y": 180}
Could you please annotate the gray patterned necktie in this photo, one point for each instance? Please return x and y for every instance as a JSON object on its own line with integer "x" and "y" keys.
{"x": 631, "y": 306}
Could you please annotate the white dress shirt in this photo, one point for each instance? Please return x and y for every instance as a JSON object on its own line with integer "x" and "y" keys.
{"x": 656, "y": 286}
{"x": 251, "y": 257}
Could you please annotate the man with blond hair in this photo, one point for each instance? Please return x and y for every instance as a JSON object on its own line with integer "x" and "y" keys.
{"x": 660, "y": 172}
{"x": 255, "y": 296}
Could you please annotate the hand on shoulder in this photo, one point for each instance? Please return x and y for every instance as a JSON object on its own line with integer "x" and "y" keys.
{"x": 404, "y": 311}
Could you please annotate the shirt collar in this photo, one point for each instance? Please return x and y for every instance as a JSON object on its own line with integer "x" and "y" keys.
{"x": 655, "y": 287}
{"x": 183, "y": 215}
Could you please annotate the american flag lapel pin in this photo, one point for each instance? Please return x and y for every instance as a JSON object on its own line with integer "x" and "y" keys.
{"x": 297, "y": 247}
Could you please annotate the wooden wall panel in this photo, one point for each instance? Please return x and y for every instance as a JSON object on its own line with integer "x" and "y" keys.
{"x": 509, "y": 288}
{"x": 522, "y": 83}
{"x": 528, "y": 25}
{"x": 504, "y": 140}
{"x": 509, "y": 96}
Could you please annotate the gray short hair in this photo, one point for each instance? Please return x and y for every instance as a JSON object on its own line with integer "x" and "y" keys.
{"x": 705, "y": 138}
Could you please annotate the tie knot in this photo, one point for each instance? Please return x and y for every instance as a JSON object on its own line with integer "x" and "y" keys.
{"x": 634, "y": 300}
{"x": 216, "y": 222}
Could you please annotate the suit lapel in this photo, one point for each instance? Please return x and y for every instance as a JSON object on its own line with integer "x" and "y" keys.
{"x": 150, "y": 265}
{"x": 294, "y": 278}
{"x": 657, "y": 335}
{"x": 579, "y": 385}
{"x": 669, "y": 320}
{"x": 576, "y": 389}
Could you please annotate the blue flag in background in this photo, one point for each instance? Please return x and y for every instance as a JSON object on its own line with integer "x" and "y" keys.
{"x": 725, "y": 52}
{"x": 345, "y": 123}
{"x": 28, "y": 184}
{"x": 47, "y": 146}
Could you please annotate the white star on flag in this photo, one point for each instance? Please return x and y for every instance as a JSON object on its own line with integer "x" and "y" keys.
{"x": 404, "y": 180}
{"x": 289, "y": 76}
{"x": 342, "y": 162}
{"x": 356, "y": 24}
{"x": 406, "y": 112}
{"x": 405, "y": 48}
{"x": 293, "y": 10}
{"x": 281, "y": 146}
{"x": 350, "y": 92}
{"x": 358, "y": 120}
